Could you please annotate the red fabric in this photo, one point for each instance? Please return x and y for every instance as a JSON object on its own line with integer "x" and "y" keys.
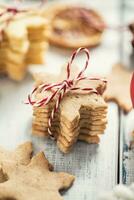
{"x": 132, "y": 89}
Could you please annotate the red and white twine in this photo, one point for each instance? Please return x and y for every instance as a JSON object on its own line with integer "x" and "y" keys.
{"x": 58, "y": 90}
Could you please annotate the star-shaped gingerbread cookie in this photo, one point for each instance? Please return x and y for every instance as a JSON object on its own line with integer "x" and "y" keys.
{"x": 80, "y": 116}
{"x": 30, "y": 178}
{"x": 118, "y": 87}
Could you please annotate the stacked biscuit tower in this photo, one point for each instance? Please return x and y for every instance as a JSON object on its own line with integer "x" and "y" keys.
{"x": 23, "y": 42}
{"x": 80, "y": 116}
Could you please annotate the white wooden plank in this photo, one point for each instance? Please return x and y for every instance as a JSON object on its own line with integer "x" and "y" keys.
{"x": 127, "y": 169}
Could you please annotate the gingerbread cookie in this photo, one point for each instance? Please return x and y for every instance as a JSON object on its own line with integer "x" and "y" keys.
{"x": 23, "y": 41}
{"x": 80, "y": 115}
{"x": 21, "y": 155}
{"x": 118, "y": 88}
{"x": 30, "y": 178}
{"x": 74, "y": 26}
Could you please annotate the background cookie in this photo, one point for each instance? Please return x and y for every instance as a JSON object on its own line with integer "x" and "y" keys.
{"x": 118, "y": 87}
{"x": 74, "y": 26}
{"x": 23, "y": 41}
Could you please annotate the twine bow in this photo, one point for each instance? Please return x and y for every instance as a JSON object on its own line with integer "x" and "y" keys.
{"x": 60, "y": 89}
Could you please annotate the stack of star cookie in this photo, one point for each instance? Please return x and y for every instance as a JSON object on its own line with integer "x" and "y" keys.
{"x": 23, "y": 42}
{"x": 80, "y": 116}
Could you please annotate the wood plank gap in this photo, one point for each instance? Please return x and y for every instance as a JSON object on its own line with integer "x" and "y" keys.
{"x": 120, "y": 112}
{"x": 119, "y": 156}
{"x": 121, "y": 146}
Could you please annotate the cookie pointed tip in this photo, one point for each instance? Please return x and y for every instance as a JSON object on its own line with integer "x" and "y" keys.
{"x": 26, "y": 146}
{"x": 66, "y": 179}
{"x": 39, "y": 160}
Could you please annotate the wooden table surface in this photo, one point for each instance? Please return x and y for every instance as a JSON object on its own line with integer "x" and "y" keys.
{"x": 97, "y": 168}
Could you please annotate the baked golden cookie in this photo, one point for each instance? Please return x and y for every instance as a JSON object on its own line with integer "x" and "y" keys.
{"x": 73, "y": 26}
{"x": 25, "y": 177}
{"x": 118, "y": 87}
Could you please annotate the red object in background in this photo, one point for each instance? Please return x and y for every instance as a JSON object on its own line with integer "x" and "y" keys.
{"x": 132, "y": 89}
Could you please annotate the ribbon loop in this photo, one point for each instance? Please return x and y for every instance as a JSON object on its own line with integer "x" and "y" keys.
{"x": 81, "y": 49}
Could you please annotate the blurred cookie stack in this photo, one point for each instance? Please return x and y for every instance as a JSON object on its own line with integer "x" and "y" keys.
{"x": 38, "y": 41}
{"x": 23, "y": 42}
